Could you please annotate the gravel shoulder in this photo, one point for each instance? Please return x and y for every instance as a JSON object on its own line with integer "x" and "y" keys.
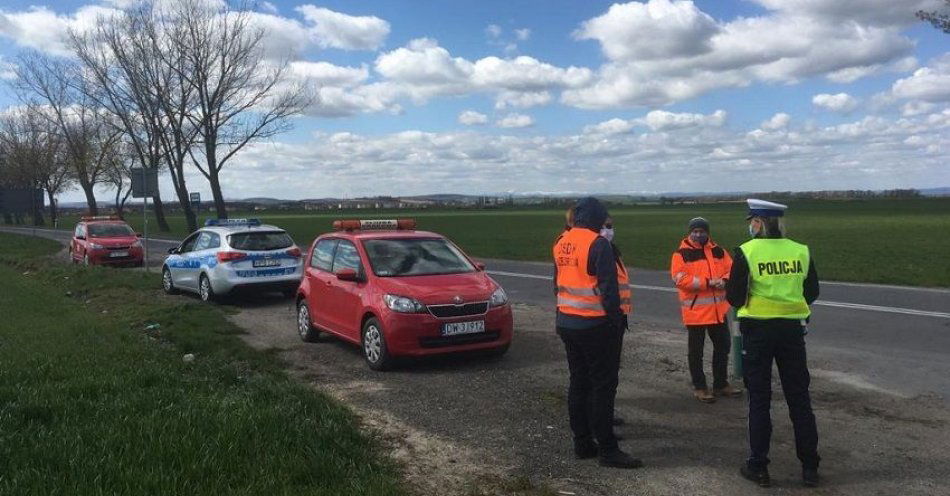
{"x": 465, "y": 425}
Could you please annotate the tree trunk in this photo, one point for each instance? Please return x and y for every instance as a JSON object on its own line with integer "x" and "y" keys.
{"x": 88, "y": 189}
{"x": 53, "y": 211}
{"x": 219, "y": 206}
{"x": 159, "y": 208}
{"x": 118, "y": 206}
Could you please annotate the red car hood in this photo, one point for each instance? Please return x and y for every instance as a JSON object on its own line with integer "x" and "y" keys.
{"x": 115, "y": 241}
{"x": 441, "y": 289}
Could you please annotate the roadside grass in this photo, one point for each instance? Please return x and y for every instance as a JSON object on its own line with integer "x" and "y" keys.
{"x": 92, "y": 403}
{"x": 877, "y": 241}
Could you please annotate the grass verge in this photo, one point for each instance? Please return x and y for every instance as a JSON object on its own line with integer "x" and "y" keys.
{"x": 93, "y": 403}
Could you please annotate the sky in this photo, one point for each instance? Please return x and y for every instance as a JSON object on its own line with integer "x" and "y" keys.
{"x": 568, "y": 97}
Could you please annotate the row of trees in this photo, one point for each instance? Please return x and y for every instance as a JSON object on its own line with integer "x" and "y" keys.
{"x": 172, "y": 86}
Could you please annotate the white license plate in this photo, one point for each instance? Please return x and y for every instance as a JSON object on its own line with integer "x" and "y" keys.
{"x": 457, "y": 328}
{"x": 117, "y": 254}
{"x": 267, "y": 262}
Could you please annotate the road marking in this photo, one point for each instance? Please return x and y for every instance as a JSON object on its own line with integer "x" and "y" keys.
{"x": 834, "y": 304}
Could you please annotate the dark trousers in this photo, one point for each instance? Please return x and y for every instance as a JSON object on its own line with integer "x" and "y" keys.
{"x": 781, "y": 341}
{"x": 593, "y": 357}
{"x": 719, "y": 335}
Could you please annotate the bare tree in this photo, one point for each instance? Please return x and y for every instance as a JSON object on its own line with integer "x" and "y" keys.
{"x": 939, "y": 20}
{"x": 241, "y": 97}
{"x": 55, "y": 89}
{"x": 30, "y": 155}
{"x": 116, "y": 56}
{"x": 117, "y": 175}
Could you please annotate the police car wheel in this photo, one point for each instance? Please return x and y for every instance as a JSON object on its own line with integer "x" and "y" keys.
{"x": 205, "y": 292}
{"x": 305, "y": 328}
{"x": 374, "y": 346}
{"x": 168, "y": 284}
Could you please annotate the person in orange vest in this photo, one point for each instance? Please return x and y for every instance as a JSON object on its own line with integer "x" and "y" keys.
{"x": 700, "y": 269}
{"x": 591, "y": 321}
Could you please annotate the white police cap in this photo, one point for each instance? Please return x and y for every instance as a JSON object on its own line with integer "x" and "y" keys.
{"x": 762, "y": 208}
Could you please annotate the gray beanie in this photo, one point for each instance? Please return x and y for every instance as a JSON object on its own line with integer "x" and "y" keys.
{"x": 698, "y": 223}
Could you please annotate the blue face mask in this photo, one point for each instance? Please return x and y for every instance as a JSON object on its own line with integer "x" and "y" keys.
{"x": 752, "y": 231}
{"x": 608, "y": 233}
{"x": 700, "y": 238}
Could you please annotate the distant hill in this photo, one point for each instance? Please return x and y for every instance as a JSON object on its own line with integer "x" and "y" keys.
{"x": 945, "y": 191}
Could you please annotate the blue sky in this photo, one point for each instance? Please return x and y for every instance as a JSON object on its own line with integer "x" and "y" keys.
{"x": 565, "y": 96}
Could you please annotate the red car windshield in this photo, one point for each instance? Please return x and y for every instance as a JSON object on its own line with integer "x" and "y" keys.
{"x": 415, "y": 257}
{"x": 109, "y": 230}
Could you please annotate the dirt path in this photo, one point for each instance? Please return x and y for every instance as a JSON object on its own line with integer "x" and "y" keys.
{"x": 466, "y": 425}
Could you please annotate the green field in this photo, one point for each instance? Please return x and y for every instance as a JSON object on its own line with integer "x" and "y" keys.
{"x": 92, "y": 403}
{"x": 879, "y": 241}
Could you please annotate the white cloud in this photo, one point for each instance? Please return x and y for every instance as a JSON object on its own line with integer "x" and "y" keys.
{"x": 522, "y": 34}
{"x": 653, "y": 30}
{"x": 868, "y": 153}
{"x": 613, "y": 126}
{"x": 507, "y": 98}
{"x": 515, "y": 121}
{"x": 661, "y": 120}
{"x": 7, "y": 70}
{"x": 931, "y": 83}
{"x": 840, "y": 102}
{"x": 327, "y": 74}
{"x": 267, "y": 7}
{"x": 914, "y": 108}
{"x": 471, "y": 118}
{"x": 526, "y": 74}
{"x": 337, "y": 30}
{"x": 777, "y": 122}
{"x": 660, "y": 51}
{"x": 872, "y": 12}
{"x": 493, "y": 31}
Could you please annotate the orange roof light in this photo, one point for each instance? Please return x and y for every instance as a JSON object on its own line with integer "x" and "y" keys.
{"x": 375, "y": 225}
{"x": 99, "y": 217}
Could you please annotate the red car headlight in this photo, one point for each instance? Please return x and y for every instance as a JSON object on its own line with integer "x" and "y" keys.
{"x": 403, "y": 304}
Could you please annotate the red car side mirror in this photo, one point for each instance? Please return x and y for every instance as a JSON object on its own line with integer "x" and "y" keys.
{"x": 480, "y": 266}
{"x": 347, "y": 275}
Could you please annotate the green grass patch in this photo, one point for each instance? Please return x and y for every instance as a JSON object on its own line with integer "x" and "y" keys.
{"x": 879, "y": 241}
{"x": 93, "y": 403}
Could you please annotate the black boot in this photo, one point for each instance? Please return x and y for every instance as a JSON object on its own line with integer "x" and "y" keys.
{"x": 585, "y": 449}
{"x": 810, "y": 477}
{"x": 618, "y": 459}
{"x": 759, "y": 476}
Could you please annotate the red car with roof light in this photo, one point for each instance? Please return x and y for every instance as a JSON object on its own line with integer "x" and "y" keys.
{"x": 398, "y": 292}
{"x": 105, "y": 240}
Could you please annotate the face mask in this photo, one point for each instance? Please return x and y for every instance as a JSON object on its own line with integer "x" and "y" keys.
{"x": 752, "y": 231}
{"x": 699, "y": 238}
{"x": 608, "y": 234}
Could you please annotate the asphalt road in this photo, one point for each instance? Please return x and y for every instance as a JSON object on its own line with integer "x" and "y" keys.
{"x": 888, "y": 338}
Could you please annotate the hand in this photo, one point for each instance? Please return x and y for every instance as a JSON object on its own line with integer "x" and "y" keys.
{"x": 716, "y": 283}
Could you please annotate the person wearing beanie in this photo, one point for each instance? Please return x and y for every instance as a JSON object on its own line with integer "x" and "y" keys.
{"x": 699, "y": 269}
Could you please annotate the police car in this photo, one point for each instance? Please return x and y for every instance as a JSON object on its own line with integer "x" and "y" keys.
{"x": 233, "y": 254}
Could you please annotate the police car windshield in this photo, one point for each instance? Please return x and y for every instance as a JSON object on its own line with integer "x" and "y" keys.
{"x": 109, "y": 230}
{"x": 260, "y": 241}
{"x": 415, "y": 257}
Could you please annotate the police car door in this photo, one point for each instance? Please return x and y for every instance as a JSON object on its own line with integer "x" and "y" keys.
{"x": 201, "y": 256}
{"x": 178, "y": 264}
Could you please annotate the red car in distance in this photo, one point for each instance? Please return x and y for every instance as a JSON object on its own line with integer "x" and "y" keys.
{"x": 395, "y": 291}
{"x": 105, "y": 240}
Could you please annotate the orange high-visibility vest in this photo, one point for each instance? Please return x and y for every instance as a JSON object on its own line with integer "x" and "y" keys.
{"x": 691, "y": 269}
{"x": 577, "y": 292}
{"x": 623, "y": 283}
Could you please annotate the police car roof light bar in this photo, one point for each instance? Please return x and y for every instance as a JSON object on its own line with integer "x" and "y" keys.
{"x": 232, "y": 222}
{"x": 88, "y": 218}
{"x": 375, "y": 225}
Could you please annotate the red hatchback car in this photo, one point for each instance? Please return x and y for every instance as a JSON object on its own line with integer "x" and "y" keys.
{"x": 397, "y": 292}
{"x": 105, "y": 240}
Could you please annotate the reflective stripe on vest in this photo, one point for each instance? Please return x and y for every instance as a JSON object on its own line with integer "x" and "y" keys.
{"x": 577, "y": 292}
{"x": 623, "y": 283}
{"x": 777, "y": 272}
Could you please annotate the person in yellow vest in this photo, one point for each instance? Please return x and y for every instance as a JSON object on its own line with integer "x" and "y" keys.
{"x": 772, "y": 283}
{"x": 590, "y": 321}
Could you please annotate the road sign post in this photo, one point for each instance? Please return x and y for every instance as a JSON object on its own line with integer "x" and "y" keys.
{"x": 144, "y": 185}
{"x": 195, "y": 200}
